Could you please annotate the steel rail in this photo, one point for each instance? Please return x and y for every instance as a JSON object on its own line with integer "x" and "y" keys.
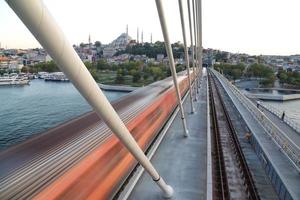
{"x": 222, "y": 183}
{"x": 251, "y": 188}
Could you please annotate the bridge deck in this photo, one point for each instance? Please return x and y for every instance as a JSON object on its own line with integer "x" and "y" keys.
{"x": 280, "y": 170}
{"x": 181, "y": 161}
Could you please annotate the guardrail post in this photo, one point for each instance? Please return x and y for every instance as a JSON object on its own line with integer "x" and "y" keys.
{"x": 39, "y": 21}
{"x": 163, "y": 24}
{"x": 186, "y": 53}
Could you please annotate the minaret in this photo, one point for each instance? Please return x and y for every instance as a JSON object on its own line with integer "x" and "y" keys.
{"x": 127, "y": 33}
{"x": 90, "y": 41}
{"x": 151, "y": 38}
{"x": 137, "y": 35}
{"x": 142, "y": 36}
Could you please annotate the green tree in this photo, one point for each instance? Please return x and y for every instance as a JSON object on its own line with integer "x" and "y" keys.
{"x": 92, "y": 69}
{"x": 136, "y": 77}
{"x": 232, "y": 71}
{"x": 120, "y": 78}
{"x": 283, "y": 77}
{"x": 156, "y": 73}
{"x": 98, "y": 44}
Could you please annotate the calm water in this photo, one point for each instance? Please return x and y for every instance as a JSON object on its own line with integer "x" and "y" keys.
{"x": 291, "y": 108}
{"x": 273, "y": 92}
{"x": 28, "y": 110}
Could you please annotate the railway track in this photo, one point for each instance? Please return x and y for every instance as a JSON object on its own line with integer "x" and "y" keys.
{"x": 231, "y": 176}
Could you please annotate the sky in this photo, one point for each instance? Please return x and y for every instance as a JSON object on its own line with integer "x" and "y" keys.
{"x": 269, "y": 27}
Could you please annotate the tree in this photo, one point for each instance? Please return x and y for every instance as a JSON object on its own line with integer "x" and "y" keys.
{"x": 98, "y": 44}
{"x": 120, "y": 77}
{"x": 82, "y": 45}
{"x": 136, "y": 77}
{"x": 283, "y": 77}
{"x": 156, "y": 73}
{"x": 102, "y": 65}
{"x": 92, "y": 69}
{"x": 292, "y": 78}
{"x": 25, "y": 69}
{"x": 232, "y": 71}
{"x": 145, "y": 76}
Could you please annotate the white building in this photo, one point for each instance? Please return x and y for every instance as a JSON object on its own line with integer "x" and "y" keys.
{"x": 109, "y": 52}
{"x": 160, "y": 57}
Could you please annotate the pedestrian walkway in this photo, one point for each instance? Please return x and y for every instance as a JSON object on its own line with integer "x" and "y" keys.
{"x": 181, "y": 161}
{"x": 289, "y": 131}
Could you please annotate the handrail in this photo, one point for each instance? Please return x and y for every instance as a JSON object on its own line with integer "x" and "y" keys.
{"x": 294, "y": 125}
{"x": 279, "y": 137}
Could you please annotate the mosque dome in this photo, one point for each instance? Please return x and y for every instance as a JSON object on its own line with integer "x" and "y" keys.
{"x": 121, "y": 41}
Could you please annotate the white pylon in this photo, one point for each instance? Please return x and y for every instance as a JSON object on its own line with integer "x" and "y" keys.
{"x": 200, "y": 34}
{"x": 196, "y": 43}
{"x": 47, "y": 32}
{"x": 164, "y": 29}
{"x": 186, "y": 53}
{"x": 193, "y": 51}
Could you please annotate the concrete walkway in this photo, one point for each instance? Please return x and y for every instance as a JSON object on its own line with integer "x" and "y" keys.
{"x": 181, "y": 161}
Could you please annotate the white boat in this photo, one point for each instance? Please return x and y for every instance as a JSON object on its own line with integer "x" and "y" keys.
{"x": 13, "y": 80}
{"x": 56, "y": 76}
{"x": 43, "y": 75}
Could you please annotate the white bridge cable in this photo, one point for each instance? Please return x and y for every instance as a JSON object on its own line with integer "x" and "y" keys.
{"x": 164, "y": 28}
{"x": 196, "y": 44}
{"x": 186, "y": 53}
{"x": 192, "y": 49}
{"x": 200, "y": 34}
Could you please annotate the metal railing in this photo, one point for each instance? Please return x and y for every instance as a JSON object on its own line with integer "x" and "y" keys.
{"x": 278, "y": 113}
{"x": 276, "y": 134}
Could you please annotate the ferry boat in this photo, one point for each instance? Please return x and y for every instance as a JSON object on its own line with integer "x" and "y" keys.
{"x": 56, "y": 76}
{"x": 13, "y": 80}
{"x": 42, "y": 75}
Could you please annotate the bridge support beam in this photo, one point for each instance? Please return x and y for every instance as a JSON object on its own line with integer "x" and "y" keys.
{"x": 164, "y": 28}
{"x": 39, "y": 21}
{"x": 186, "y": 53}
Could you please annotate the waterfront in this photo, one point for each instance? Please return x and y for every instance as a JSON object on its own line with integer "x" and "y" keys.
{"x": 291, "y": 108}
{"x": 31, "y": 109}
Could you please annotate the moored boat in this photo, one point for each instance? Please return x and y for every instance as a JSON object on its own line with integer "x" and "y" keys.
{"x": 13, "y": 80}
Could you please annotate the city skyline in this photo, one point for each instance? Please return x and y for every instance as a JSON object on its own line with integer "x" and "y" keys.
{"x": 232, "y": 26}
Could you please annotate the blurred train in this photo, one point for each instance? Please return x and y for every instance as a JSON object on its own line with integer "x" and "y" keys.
{"x": 82, "y": 159}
